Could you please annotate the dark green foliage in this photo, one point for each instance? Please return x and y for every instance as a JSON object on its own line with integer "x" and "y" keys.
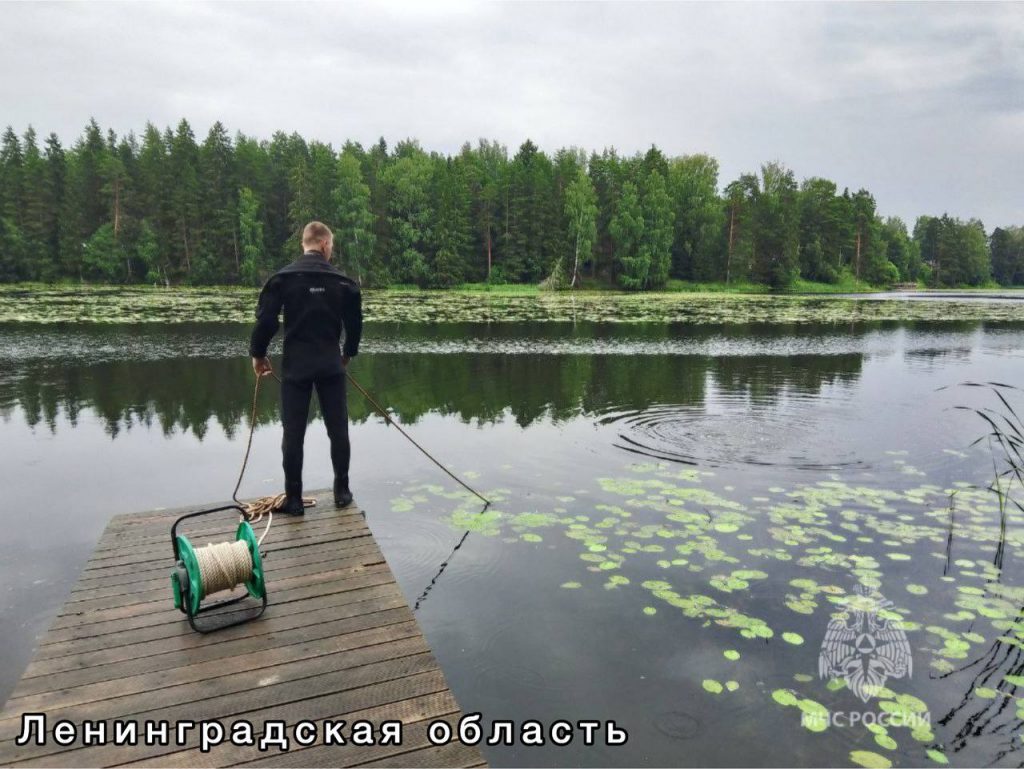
{"x": 821, "y": 230}
{"x": 900, "y": 250}
{"x": 776, "y": 228}
{"x": 254, "y": 268}
{"x": 955, "y": 252}
{"x": 658, "y": 228}
{"x": 627, "y": 231}
{"x": 531, "y": 212}
{"x": 697, "y": 246}
{"x": 407, "y": 182}
{"x": 581, "y": 214}
{"x": 162, "y": 208}
{"x": 450, "y": 235}
{"x": 354, "y": 235}
{"x": 1007, "y": 249}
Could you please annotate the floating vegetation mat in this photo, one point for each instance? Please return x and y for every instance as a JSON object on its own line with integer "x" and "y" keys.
{"x": 884, "y": 602}
{"x": 65, "y": 304}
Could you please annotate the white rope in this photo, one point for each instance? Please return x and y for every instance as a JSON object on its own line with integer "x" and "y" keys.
{"x": 223, "y": 565}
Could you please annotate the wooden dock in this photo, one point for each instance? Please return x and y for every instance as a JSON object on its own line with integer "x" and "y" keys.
{"x": 338, "y": 641}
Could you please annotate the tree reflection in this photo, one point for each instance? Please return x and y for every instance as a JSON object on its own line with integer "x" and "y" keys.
{"x": 191, "y": 395}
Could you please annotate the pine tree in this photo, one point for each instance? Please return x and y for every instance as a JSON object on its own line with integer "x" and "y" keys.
{"x": 486, "y": 176}
{"x": 741, "y": 198}
{"x": 250, "y": 231}
{"x": 219, "y": 206}
{"x": 450, "y": 233}
{"x": 183, "y": 162}
{"x": 54, "y": 174}
{"x": 35, "y": 216}
{"x": 11, "y": 178}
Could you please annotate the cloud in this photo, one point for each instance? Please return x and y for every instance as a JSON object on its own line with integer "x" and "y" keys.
{"x": 922, "y": 104}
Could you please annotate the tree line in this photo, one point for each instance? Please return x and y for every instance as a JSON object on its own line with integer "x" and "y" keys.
{"x": 167, "y": 208}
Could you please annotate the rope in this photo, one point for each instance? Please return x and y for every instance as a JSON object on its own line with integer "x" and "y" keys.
{"x": 255, "y": 510}
{"x": 390, "y": 421}
{"x": 223, "y": 565}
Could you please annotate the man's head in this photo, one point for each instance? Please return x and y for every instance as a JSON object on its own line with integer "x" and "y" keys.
{"x": 317, "y": 236}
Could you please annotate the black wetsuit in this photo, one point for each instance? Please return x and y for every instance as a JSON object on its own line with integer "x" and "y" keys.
{"x": 318, "y": 302}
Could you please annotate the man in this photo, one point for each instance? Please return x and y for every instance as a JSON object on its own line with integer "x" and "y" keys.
{"x": 318, "y": 302}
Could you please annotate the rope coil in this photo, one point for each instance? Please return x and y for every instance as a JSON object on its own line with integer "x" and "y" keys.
{"x": 223, "y": 566}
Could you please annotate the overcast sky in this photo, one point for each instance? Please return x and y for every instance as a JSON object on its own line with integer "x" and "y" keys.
{"x": 921, "y": 103}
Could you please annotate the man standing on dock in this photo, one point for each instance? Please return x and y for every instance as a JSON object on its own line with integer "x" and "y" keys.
{"x": 318, "y": 302}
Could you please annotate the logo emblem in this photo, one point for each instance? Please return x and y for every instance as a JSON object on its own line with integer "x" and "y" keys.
{"x": 864, "y": 649}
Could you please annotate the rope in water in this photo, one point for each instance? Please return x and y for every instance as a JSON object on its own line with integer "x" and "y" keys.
{"x": 256, "y": 509}
{"x": 387, "y": 418}
{"x": 390, "y": 421}
{"x": 223, "y": 565}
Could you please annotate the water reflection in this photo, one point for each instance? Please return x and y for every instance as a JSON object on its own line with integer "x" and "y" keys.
{"x": 479, "y": 388}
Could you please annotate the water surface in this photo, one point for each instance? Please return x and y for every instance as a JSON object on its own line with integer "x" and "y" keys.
{"x": 665, "y": 493}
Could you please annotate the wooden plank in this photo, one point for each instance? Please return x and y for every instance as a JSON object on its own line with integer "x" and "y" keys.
{"x": 89, "y": 630}
{"x": 160, "y": 606}
{"x": 338, "y": 640}
{"x": 334, "y": 705}
{"x": 153, "y": 590}
{"x": 241, "y": 681}
{"x": 366, "y": 680}
{"x": 116, "y": 639}
{"x": 159, "y": 550}
{"x": 138, "y": 650}
{"x": 111, "y": 584}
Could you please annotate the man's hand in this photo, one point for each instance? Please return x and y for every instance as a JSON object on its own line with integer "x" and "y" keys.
{"x": 262, "y": 366}
{"x": 344, "y": 361}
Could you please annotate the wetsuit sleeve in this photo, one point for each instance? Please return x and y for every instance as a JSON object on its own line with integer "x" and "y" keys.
{"x": 352, "y": 317}
{"x": 267, "y": 310}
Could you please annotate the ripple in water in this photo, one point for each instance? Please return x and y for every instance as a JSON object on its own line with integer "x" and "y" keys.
{"x": 677, "y": 725}
{"x": 731, "y": 429}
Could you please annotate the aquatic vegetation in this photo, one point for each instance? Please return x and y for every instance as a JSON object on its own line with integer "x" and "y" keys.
{"x": 136, "y": 304}
{"x": 779, "y": 562}
{"x": 869, "y": 760}
{"x": 711, "y": 685}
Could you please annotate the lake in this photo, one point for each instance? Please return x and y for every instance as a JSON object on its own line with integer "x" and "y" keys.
{"x": 679, "y": 508}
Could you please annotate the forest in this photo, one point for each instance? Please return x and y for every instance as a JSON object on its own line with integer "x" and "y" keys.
{"x": 166, "y": 208}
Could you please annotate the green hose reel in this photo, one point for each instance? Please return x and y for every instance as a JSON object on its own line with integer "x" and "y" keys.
{"x": 187, "y": 583}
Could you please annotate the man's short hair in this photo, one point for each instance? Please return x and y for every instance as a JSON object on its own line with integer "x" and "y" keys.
{"x": 314, "y": 232}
